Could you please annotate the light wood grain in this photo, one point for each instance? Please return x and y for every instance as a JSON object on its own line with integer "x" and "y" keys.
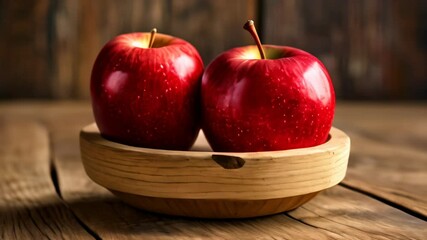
{"x": 29, "y": 206}
{"x": 191, "y": 183}
{"x": 194, "y": 175}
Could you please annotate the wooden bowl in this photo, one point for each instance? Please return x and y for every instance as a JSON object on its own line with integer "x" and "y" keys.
{"x": 206, "y": 184}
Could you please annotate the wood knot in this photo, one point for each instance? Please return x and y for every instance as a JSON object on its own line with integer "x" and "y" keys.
{"x": 228, "y": 162}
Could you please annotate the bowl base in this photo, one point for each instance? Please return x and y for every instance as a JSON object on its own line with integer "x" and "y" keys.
{"x": 214, "y": 208}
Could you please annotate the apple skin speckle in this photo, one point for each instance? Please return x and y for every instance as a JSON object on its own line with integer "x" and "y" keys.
{"x": 282, "y": 103}
{"x": 142, "y": 97}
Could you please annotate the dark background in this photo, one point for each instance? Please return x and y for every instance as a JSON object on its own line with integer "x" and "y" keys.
{"x": 374, "y": 49}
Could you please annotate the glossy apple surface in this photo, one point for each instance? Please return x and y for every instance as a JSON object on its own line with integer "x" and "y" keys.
{"x": 250, "y": 104}
{"x": 147, "y": 97}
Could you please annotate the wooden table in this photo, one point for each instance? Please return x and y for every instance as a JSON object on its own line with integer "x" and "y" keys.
{"x": 45, "y": 193}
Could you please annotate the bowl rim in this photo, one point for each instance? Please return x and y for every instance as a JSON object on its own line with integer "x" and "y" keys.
{"x": 335, "y": 135}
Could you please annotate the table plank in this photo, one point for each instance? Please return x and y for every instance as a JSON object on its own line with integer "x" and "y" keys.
{"x": 356, "y": 216}
{"x": 389, "y": 152}
{"x": 382, "y": 134}
{"x": 391, "y": 123}
{"x": 337, "y": 213}
{"x": 29, "y": 206}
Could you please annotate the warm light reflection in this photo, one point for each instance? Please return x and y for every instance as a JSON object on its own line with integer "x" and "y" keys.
{"x": 317, "y": 88}
{"x": 115, "y": 81}
{"x": 183, "y": 66}
{"x": 140, "y": 43}
{"x": 251, "y": 53}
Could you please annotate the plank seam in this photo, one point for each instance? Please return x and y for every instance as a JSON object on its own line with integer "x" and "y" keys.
{"x": 55, "y": 182}
{"x": 370, "y": 233}
{"x": 402, "y": 208}
{"x": 311, "y": 225}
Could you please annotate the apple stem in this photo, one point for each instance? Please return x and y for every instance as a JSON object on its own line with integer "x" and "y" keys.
{"x": 250, "y": 27}
{"x": 152, "y": 36}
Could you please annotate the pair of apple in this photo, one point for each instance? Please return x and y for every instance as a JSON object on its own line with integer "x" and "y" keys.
{"x": 146, "y": 91}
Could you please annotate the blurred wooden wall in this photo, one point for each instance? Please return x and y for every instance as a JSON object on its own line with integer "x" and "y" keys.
{"x": 374, "y": 49}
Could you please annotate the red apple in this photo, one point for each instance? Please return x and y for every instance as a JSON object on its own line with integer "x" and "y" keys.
{"x": 284, "y": 100}
{"x": 145, "y": 91}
